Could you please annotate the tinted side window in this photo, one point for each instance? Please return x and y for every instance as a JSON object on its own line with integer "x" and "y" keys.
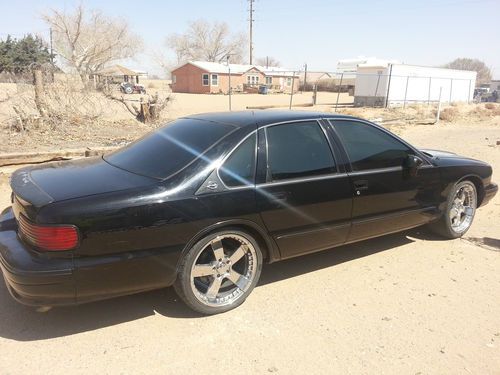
{"x": 298, "y": 150}
{"x": 239, "y": 167}
{"x": 369, "y": 147}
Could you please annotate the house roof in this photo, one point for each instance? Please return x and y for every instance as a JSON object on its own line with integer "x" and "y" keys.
{"x": 316, "y": 76}
{"x": 214, "y": 67}
{"x": 119, "y": 70}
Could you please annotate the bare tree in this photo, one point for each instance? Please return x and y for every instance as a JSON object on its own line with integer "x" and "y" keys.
{"x": 88, "y": 40}
{"x": 149, "y": 109}
{"x": 165, "y": 64}
{"x": 267, "y": 61}
{"x": 207, "y": 41}
{"x": 483, "y": 72}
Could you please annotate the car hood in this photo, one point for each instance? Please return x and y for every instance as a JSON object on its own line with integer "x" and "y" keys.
{"x": 60, "y": 181}
{"x": 439, "y": 154}
{"x": 449, "y": 158}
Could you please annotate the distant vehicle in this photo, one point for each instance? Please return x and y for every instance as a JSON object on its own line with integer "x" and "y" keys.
{"x": 132, "y": 88}
{"x": 484, "y": 95}
{"x": 204, "y": 201}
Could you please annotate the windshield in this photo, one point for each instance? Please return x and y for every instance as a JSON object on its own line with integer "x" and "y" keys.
{"x": 169, "y": 149}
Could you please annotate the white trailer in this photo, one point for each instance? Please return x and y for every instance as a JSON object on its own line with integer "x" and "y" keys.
{"x": 400, "y": 84}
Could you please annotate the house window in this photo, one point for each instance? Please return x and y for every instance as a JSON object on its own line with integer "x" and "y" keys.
{"x": 252, "y": 80}
{"x": 174, "y": 79}
{"x": 204, "y": 79}
{"x": 288, "y": 81}
{"x": 215, "y": 80}
{"x": 269, "y": 80}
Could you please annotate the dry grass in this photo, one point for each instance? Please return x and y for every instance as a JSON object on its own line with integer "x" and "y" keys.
{"x": 64, "y": 104}
{"x": 485, "y": 110}
{"x": 417, "y": 114}
{"x": 410, "y": 114}
{"x": 494, "y": 108}
{"x": 449, "y": 114}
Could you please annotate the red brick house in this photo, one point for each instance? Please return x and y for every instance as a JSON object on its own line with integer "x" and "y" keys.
{"x": 202, "y": 77}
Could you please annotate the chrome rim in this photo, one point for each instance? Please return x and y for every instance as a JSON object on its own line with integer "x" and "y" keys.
{"x": 463, "y": 208}
{"x": 224, "y": 270}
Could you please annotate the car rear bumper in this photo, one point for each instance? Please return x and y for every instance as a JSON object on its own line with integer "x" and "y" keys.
{"x": 30, "y": 278}
{"x": 36, "y": 279}
{"x": 489, "y": 192}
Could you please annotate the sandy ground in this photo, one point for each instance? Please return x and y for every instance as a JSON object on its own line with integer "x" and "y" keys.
{"x": 407, "y": 303}
{"x": 183, "y": 104}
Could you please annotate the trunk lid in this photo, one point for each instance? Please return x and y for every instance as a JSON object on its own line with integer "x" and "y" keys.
{"x": 53, "y": 182}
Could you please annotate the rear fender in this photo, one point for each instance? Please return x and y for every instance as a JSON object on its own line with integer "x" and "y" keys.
{"x": 272, "y": 250}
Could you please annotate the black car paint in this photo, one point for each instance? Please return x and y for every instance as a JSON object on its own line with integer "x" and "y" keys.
{"x": 135, "y": 229}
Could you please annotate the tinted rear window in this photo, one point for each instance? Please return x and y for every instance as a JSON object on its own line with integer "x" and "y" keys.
{"x": 169, "y": 149}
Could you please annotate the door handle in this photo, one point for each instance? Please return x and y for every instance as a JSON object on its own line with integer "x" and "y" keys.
{"x": 281, "y": 195}
{"x": 360, "y": 186}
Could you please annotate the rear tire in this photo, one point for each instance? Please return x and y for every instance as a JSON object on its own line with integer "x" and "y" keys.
{"x": 459, "y": 211}
{"x": 219, "y": 272}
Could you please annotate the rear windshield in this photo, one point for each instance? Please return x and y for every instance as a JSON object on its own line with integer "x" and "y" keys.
{"x": 169, "y": 149}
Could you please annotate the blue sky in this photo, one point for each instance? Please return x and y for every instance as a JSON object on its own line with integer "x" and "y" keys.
{"x": 318, "y": 32}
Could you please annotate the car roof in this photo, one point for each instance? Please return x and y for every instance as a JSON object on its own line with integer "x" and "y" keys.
{"x": 262, "y": 117}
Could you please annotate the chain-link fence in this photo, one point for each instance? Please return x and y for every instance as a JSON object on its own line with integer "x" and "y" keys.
{"x": 346, "y": 89}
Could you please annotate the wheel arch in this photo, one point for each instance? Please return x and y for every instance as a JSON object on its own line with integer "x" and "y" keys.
{"x": 478, "y": 183}
{"x": 269, "y": 249}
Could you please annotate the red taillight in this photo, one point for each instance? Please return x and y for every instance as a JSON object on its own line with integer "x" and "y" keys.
{"x": 46, "y": 237}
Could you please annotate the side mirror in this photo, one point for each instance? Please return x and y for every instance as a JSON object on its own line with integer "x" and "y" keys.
{"x": 411, "y": 164}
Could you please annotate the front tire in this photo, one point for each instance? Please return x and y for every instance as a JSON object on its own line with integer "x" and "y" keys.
{"x": 219, "y": 272}
{"x": 459, "y": 211}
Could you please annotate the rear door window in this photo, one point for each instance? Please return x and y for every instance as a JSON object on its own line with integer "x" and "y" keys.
{"x": 298, "y": 150}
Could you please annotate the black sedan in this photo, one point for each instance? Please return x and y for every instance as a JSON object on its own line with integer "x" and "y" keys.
{"x": 205, "y": 201}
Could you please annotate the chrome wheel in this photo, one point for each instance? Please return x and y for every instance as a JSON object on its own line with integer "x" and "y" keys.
{"x": 224, "y": 270}
{"x": 463, "y": 207}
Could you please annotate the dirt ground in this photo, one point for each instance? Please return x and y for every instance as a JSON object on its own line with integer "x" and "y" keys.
{"x": 407, "y": 303}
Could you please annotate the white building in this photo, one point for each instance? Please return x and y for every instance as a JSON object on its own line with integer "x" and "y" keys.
{"x": 386, "y": 84}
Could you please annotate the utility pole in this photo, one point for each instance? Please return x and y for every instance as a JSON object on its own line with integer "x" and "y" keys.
{"x": 251, "y": 30}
